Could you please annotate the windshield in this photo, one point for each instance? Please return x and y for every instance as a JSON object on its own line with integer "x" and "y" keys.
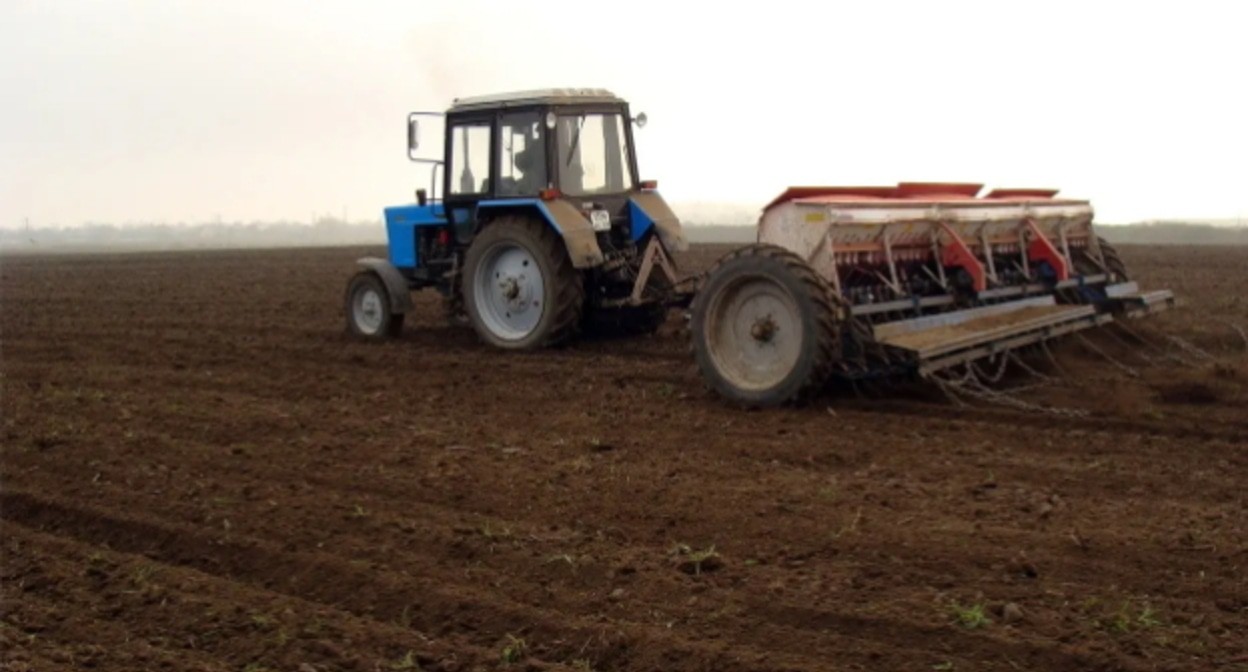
{"x": 593, "y": 154}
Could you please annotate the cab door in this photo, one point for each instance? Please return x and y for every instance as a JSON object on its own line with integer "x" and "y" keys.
{"x": 470, "y": 174}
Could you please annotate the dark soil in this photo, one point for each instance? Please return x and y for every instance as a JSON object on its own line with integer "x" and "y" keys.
{"x": 201, "y": 471}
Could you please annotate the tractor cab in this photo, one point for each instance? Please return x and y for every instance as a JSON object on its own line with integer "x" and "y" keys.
{"x": 574, "y": 145}
{"x": 579, "y": 144}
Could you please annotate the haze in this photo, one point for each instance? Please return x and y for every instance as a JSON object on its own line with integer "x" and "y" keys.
{"x": 175, "y": 110}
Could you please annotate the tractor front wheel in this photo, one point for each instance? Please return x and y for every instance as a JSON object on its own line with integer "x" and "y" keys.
{"x": 521, "y": 291}
{"x": 764, "y": 328}
{"x": 368, "y": 308}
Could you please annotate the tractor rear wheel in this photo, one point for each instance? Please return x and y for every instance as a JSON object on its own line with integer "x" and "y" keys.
{"x": 521, "y": 291}
{"x": 1113, "y": 263}
{"x": 368, "y": 308}
{"x": 1085, "y": 264}
{"x": 764, "y": 328}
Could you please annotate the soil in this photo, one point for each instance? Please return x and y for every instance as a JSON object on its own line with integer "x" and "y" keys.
{"x": 202, "y": 471}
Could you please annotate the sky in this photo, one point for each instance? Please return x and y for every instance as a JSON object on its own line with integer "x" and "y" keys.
{"x": 193, "y": 110}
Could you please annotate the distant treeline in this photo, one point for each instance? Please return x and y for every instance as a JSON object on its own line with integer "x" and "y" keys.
{"x": 92, "y": 237}
{"x": 330, "y": 232}
{"x": 1175, "y": 233}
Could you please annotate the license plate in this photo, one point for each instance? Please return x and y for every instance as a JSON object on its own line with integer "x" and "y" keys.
{"x": 600, "y": 220}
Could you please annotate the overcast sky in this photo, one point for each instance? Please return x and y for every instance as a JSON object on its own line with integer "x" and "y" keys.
{"x": 186, "y": 110}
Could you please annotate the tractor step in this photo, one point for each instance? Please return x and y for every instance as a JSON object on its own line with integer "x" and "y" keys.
{"x": 940, "y": 341}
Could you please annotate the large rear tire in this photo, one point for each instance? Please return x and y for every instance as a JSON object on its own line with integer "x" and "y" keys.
{"x": 1086, "y": 264}
{"x": 368, "y": 308}
{"x": 764, "y": 328}
{"x": 521, "y": 291}
{"x": 1113, "y": 262}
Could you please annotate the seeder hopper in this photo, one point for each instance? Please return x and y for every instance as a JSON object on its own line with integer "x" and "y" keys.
{"x": 913, "y": 279}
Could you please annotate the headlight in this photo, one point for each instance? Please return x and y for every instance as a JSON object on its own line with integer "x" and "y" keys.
{"x": 600, "y": 220}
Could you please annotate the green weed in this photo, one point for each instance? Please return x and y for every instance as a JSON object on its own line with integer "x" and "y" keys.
{"x": 407, "y": 662}
{"x": 971, "y": 617}
{"x": 513, "y": 651}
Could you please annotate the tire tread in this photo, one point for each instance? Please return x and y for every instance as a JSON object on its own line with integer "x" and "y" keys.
{"x": 830, "y": 312}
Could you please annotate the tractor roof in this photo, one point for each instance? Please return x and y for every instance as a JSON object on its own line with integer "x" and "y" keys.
{"x": 535, "y": 97}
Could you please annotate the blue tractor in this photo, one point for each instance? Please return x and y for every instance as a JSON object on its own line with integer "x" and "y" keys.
{"x": 536, "y": 226}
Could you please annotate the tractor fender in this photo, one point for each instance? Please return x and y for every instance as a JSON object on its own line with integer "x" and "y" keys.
{"x": 649, "y": 210}
{"x": 396, "y": 284}
{"x": 571, "y": 225}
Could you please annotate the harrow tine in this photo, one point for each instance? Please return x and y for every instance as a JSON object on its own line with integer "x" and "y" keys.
{"x": 948, "y": 389}
{"x": 1184, "y": 347}
{"x": 1130, "y": 348}
{"x": 1139, "y": 338}
{"x": 998, "y": 375}
{"x": 1123, "y": 367}
{"x": 1044, "y": 346}
{"x": 1239, "y": 330}
{"x": 1192, "y": 349}
{"x": 972, "y": 387}
{"x": 1028, "y": 368}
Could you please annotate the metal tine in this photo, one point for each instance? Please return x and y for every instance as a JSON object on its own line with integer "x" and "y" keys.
{"x": 1192, "y": 349}
{"x": 1044, "y": 347}
{"x": 1000, "y": 372}
{"x": 1125, "y": 369}
{"x": 1239, "y": 330}
{"x": 972, "y": 387}
{"x": 948, "y": 388}
{"x": 1007, "y": 399}
{"x": 1184, "y": 346}
{"x": 1028, "y": 368}
{"x": 1166, "y": 352}
{"x": 1132, "y": 349}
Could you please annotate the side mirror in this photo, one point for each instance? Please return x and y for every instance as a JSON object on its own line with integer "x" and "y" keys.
{"x": 413, "y": 133}
{"x": 640, "y": 120}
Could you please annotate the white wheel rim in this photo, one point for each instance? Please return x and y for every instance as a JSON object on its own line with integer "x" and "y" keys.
{"x": 754, "y": 333}
{"x": 509, "y": 292}
{"x": 367, "y": 310}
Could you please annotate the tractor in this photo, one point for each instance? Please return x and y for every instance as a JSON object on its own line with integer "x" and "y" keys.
{"x": 543, "y": 230}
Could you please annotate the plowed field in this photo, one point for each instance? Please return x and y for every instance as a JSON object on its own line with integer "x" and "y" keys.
{"x": 202, "y": 472}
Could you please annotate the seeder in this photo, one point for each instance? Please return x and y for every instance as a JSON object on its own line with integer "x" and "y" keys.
{"x": 868, "y": 282}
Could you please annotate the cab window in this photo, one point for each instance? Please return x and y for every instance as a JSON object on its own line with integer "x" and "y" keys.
{"x": 593, "y": 154}
{"x": 522, "y": 155}
{"x": 470, "y": 159}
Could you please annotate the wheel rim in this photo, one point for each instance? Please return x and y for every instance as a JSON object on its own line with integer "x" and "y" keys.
{"x": 367, "y": 310}
{"x": 753, "y": 333}
{"x": 509, "y": 291}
